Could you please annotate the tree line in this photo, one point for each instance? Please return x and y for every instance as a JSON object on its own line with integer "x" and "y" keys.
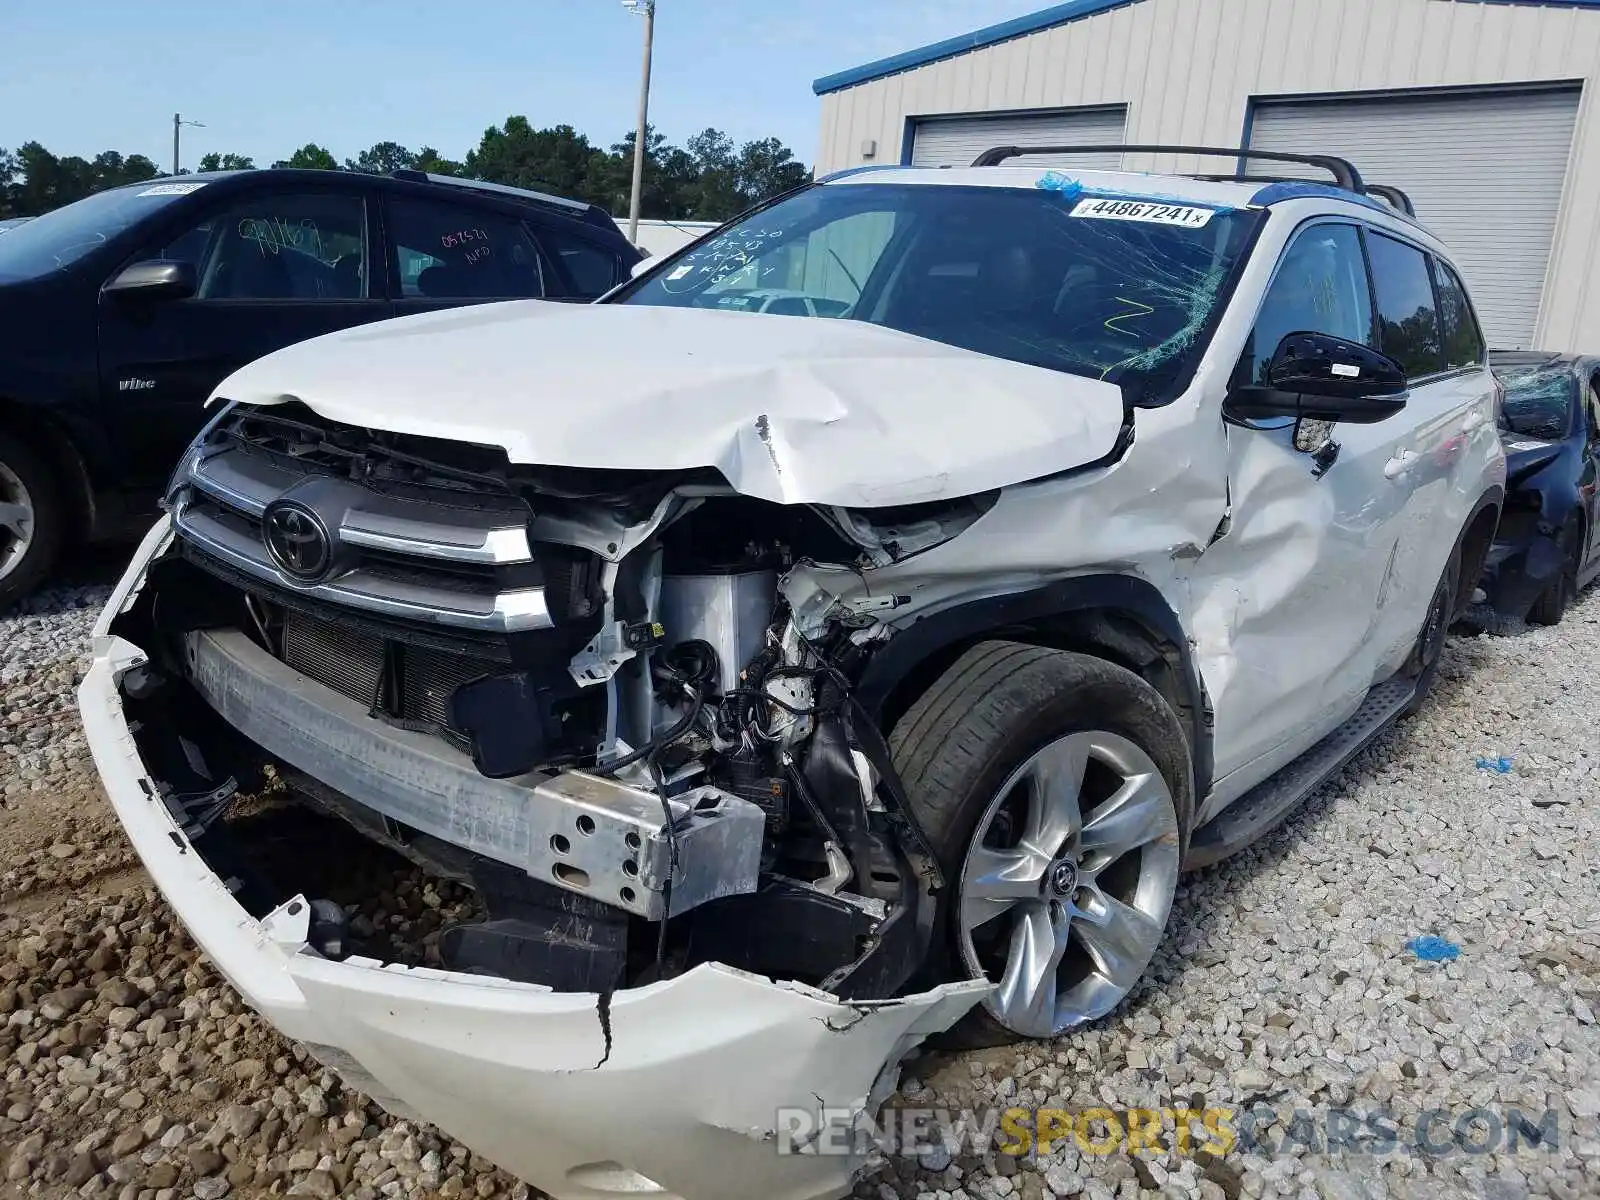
{"x": 709, "y": 178}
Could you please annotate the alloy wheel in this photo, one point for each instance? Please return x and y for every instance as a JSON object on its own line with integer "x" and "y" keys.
{"x": 16, "y": 521}
{"x": 1067, "y": 882}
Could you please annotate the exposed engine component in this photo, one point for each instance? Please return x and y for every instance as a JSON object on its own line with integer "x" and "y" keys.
{"x": 658, "y": 770}
{"x": 730, "y": 611}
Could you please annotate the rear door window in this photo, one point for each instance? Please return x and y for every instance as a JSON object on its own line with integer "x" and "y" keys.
{"x": 1408, "y": 320}
{"x": 1463, "y": 342}
{"x": 459, "y": 252}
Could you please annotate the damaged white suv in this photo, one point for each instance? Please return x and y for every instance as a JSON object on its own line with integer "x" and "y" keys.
{"x": 789, "y": 688}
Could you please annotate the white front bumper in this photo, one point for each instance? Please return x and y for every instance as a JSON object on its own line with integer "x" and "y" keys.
{"x": 698, "y": 1068}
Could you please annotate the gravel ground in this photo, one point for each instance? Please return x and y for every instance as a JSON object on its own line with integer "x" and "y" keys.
{"x": 131, "y": 1070}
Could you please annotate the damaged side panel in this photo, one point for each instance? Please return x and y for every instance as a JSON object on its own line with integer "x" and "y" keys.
{"x": 1103, "y": 518}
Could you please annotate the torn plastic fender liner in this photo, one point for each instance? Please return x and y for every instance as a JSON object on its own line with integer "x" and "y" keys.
{"x": 894, "y": 662}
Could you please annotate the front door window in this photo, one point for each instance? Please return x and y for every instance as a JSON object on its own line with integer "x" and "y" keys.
{"x": 308, "y": 246}
{"x": 1320, "y": 287}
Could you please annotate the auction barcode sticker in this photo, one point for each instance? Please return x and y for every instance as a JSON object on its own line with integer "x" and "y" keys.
{"x": 1106, "y": 209}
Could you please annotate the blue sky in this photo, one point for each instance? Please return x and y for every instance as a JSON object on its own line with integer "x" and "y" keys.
{"x": 83, "y": 76}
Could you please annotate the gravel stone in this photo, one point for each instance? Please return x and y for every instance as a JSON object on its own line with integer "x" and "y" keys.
{"x": 204, "y": 1161}
{"x": 240, "y": 1121}
{"x": 162, "y": 1175}
{"x": 63, "y": 1003}
{"x": 315, "y": 1183}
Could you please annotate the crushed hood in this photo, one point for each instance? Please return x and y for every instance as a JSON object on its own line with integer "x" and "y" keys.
{"x": 788, "y": 409}
{"x": 1527, "y": 456}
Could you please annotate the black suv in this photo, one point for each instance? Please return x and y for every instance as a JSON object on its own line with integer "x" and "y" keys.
{"x": 120, "y": 313}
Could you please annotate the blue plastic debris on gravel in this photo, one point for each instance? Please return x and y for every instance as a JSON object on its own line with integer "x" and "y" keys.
{"x": 1434, "y": 949}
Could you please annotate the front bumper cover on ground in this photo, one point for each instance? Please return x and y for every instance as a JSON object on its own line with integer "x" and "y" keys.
{"x": 673, "y": 1089}
{"x": 1517, "y": 573}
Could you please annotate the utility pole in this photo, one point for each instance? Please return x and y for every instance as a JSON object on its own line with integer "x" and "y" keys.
{"x": 648, "y": 9}
{"x": 177, "y": 126}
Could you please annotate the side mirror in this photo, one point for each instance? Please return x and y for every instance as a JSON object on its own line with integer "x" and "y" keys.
{"x": 155, "y": 278}
{"x": 640, "y": 267}
{"x": 1324, "y": 378}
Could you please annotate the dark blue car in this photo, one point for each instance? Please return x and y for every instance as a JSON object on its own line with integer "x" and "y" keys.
{"x": 120, "y": 313}
{"x": 1548, "y": 543}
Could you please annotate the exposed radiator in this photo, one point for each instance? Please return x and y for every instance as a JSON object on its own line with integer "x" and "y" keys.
{"x": 351, "y": 663}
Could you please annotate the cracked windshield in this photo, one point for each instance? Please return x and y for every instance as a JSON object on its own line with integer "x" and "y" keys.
{"x": 1049, "y": 276}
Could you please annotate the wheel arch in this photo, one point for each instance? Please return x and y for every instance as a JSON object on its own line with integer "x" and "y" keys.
{"x": 1119, "y": 618}
{"x": 52, "y": 443}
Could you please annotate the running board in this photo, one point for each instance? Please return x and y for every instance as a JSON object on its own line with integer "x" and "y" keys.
{"x": 1264, "y": 806}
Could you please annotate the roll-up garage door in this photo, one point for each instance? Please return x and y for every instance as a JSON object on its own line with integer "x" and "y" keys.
{"x": 1485, "y": 171}
{"x": 956, "y": 141}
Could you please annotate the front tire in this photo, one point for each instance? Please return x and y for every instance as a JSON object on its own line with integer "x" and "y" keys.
{"x": 32, "y": 521}
{"x": 1056, "y": 789}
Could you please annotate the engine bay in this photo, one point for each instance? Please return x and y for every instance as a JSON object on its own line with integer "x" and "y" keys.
{"x": 668, "y": 772}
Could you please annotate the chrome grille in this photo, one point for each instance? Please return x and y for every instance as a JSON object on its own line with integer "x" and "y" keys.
{"x": 351, "y": 662}
{"x": 434, "y": 557}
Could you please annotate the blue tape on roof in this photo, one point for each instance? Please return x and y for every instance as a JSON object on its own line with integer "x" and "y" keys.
{"x": 1274, "y": 192}
{"x": 1072, "y": 189}
{"x": 1056, "y": 181}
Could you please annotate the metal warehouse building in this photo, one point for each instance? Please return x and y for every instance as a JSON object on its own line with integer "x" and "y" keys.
{"x": 1483, "y": 111}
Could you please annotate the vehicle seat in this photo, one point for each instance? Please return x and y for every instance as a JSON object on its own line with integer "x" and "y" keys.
{"x": 347, "y": 277}
{"x": 441, "y": 281}
{"x": 251, "y": 273}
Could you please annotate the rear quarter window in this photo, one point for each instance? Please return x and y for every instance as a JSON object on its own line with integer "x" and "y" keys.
{"x": 1463, "y": 341}
{"x": 592, "y": 269}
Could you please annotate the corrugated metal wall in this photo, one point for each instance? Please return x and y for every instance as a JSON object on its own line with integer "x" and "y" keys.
{"x": 1187, "y": 69}
{"x": 1433, "y": 146}
{"x": 956, "y": 141}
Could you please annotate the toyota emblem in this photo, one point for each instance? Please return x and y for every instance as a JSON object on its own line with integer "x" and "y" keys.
{"x": 297, "y": 540}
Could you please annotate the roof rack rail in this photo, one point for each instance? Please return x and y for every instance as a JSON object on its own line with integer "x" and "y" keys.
{"x": 1249, "y": 178}
{"x": 1393, "y": 196}
{"x": 1343, "y": 172}
{"x": 577, "y": 210}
